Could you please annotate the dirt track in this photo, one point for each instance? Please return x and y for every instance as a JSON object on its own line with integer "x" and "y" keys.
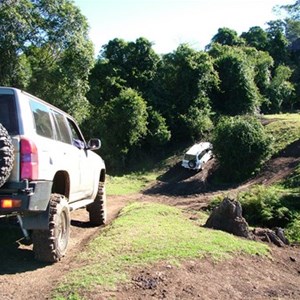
{"x": 240, "y": 278}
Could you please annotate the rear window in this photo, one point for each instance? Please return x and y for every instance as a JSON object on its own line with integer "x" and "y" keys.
{"x": 189, "y": 157}
{"x": 63, "y": 133}
{"x": 43, "y": 124}
{"x": 8, "y": 111}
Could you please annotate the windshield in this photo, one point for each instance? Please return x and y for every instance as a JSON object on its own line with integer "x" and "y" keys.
{"x": 8, "y": 112}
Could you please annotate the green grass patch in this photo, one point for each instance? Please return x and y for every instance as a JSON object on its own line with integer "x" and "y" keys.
{"x": 146, "y": 233}
{"x": 130, "y": 183}
{"x": 285, "y": 129}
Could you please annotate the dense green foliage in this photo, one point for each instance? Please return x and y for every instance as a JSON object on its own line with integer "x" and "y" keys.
{"x": 45, "y": 49}
{"x": 124, "y": 124}
{"x": 241, "y": 145}
{"x": 265, "y": 206}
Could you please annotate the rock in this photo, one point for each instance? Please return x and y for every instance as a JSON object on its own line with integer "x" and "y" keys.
{"x": 228, "y": 217}
{"x": 276, "y": 236}
{"x": 280, "y": 233}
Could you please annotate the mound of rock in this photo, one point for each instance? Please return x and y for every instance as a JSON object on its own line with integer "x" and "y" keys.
{"x": 228, "y": 217}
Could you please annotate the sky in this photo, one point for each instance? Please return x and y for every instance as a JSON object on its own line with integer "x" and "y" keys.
{"x": 169, "y": 23}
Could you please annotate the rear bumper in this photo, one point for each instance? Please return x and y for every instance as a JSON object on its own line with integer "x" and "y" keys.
{"x": 31, "y": 196}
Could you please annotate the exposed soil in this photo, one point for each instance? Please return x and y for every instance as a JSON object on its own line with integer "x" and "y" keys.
{"x": 242, "y": 277}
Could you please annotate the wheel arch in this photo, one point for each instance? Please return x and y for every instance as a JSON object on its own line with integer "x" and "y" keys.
{"x": 61, "y": 184}
{"x": 102, "y": 175}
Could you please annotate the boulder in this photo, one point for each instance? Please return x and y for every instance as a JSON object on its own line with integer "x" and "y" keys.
{"x": 228, "y": 217}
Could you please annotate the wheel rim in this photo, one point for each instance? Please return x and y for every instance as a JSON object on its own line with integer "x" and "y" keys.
{"x": 192, "y": 164}
{"x": 63, "y": 231}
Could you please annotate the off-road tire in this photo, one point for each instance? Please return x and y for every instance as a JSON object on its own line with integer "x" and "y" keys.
{"x": 51, "y": 245}
{"x": 192, "y": 164}
{"x": 97, "y": 209}
{"x": 6, "y": 155}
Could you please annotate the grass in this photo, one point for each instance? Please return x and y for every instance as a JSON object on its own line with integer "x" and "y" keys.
{"x": 146, "y": 233}
{"x": 129, "y": 184}
{"x": 285, "y": 128}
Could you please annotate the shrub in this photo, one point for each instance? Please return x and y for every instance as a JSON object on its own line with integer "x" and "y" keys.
{"x": 241, "y": 146}
{"x": 265, "y": 206}
{"x": 293, "y": 229}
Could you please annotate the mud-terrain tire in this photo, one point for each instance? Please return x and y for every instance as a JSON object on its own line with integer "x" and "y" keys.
{"x": 97, "y": 209}
{"x": 192, "y": 164}
{"x": 51, "y": 245}
{"x": 6, "y": 155}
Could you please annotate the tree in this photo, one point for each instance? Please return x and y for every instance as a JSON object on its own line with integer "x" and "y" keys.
{"x": 158, "y": 133}
{"x": 15, "y": 28}
{"x": 293, "y": 10}
{"x": 120, "y": 65}
{"x": 184, "y": 77}
{"x": 237, "y": 93}
{"x": 241, "y": 146}
{"x": 123, "y": 126}
{"x": 226, "y": 36}
{"x": 198, "y": 119}
{"x": 281, "y": 90}
{"x": 262, "y": 64}
{"x": 49, "y": 41}
{"x": 256, "y": 37}
{"x": 292, "y": 27}
{"x": 277, "y": 42}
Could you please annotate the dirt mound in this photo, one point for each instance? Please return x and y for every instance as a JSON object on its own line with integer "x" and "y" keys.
{"x": 178, "y": 181}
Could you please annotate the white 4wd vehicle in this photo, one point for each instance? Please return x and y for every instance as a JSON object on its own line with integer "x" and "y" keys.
{"x": 197, "y": 156}
{"x": 46, "y": 170}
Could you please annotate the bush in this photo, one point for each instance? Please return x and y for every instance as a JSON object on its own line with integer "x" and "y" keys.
{"x": 241, "y": 146}
{"x": 265, "y": 206}
{"x": 293, "y": 229}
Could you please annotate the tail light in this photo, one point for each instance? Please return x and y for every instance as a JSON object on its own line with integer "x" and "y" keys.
{"x": 10, "y": 203}
{"x": 29, "y": 160}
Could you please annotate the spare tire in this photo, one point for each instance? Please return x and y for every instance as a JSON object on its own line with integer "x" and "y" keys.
{"x": 192, "y": 164}
{"x": 6, "y": 155}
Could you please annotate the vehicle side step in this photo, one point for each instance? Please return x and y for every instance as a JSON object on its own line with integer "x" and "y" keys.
{"x": 80, "y": 203}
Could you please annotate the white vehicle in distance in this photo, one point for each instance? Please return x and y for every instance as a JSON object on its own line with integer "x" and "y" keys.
{"x": 197, "y": 156}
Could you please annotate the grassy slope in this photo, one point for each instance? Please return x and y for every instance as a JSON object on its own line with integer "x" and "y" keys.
{"x": 285, "y": 129}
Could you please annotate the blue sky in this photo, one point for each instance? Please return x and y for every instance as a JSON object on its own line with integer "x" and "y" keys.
{"x": 168, "y": 23}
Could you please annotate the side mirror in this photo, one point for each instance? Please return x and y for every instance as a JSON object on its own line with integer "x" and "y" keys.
{"x": 94, "y": 144}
